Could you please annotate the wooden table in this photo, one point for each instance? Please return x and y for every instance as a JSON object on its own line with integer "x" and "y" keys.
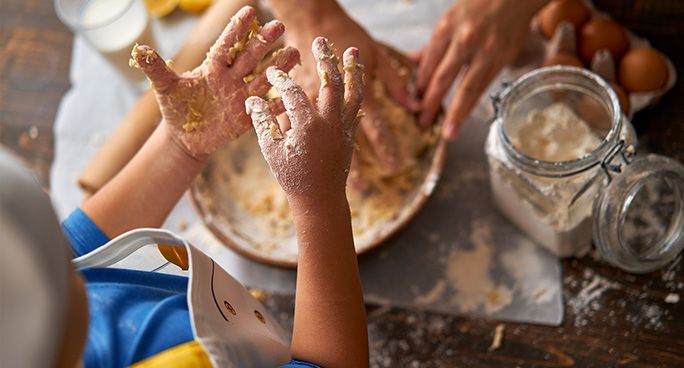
{"x": 612, "y": 318}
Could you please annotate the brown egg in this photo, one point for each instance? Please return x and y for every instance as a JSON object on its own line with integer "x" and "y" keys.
{"x": 563, "y": 58}
{"x": 573, "y": 11}
{"x": 602, "y": 33}
{"x": 642, "y": 70}
{"x": 622, "y": 97}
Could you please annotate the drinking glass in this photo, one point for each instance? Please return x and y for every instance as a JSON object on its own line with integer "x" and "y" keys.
{"x": 112, "y": 27}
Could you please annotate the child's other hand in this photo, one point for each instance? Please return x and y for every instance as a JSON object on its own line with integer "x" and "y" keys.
{"x": 311, "y": 159}
{"x": 204, "y": 108}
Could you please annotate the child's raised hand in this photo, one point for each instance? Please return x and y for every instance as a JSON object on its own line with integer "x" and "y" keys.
{"x": 204, "y": 108}
{"x": 311, "y": 160}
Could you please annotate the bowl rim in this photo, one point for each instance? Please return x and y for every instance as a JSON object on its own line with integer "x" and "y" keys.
{"x": 408, "y": 213}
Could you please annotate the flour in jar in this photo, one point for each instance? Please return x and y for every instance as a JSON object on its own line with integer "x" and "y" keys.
{"x": 554, "y": 134}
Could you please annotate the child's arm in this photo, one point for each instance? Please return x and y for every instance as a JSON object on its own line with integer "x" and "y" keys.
{"x": 202, "y": 110}
{"x": 311, "y": 162}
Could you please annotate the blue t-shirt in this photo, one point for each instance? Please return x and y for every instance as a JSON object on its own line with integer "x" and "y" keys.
{"x": 133, "y": 314}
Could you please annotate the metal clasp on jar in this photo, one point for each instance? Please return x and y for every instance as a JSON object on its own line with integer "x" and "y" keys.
{"x": 621, "y": 149}
{"x": 497, "y": 97}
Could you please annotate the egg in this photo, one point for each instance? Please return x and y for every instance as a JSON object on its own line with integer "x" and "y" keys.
{"x": 563, "y": 58}
{"x": 602, "y": 33}
{"x": 622, "y": 97}
{"x": 557, "y": 11}
{"x": 643, "y": 70}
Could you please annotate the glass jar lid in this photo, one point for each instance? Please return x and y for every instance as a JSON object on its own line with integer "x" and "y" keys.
{"x": 638, "y": 218}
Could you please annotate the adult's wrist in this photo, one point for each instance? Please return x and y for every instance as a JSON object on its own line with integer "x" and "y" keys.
{"x": 304, "y": 14}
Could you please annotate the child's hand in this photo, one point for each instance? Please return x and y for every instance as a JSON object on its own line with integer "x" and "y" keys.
{"x": 203, "y": 108}
{"x": 311, "y": 160}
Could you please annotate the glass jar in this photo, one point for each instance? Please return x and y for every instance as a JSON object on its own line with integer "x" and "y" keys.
{"x": 562, "y": 169}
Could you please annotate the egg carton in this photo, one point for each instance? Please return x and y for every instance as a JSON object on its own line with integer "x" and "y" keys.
{"x": 537, "y": 46}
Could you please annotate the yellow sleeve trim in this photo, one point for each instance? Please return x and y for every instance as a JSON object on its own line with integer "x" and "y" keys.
{"x": 188, "y": 355}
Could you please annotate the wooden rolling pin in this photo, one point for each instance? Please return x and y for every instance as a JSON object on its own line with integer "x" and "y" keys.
{"x": 142, "y": 119}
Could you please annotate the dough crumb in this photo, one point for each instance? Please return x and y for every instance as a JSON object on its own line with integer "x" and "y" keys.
{"x": 323, "y": 76}
{"x": 261, "y": 38}
{"x": 149, "y": 55}
{"x": 132, "y": 62}
{"x": 275, "y": 132}
{"x": 248, "y": 78}
{"x": 498, "y": 337}
{"x": 193, "y": 120}
{"x": 258, "y": 294}
{"x": 233, "y": 50}
{"x": 672, "y": 298}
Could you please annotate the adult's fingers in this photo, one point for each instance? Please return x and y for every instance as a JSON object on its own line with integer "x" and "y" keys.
{"x": 416, "y": 55}
{"x": 297, "y": 104}
{"x": 353, "y": 86}
{"x": 442, "y": 79}
{"x": 256, "y": 48}
{"x": 396, "y": 76}
{"x": 220, "y": 54}
{"x": 155, "y": 68}
{"x": 432, "y": 54}
{"x": 378, "y": 133}
{"x": 480, "y": 72}
{"x": 355, "y": 178}
{"x": 330, "y": 93}
{"x": 283, "y": 59}
{"x": 265, "y": 124}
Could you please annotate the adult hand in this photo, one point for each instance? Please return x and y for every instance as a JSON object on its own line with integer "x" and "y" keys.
{"x": 311, "y": 159}
{"x": 478, "y": 37}
{"x": 204, "y": 108}
{"x": 381, "y": 62}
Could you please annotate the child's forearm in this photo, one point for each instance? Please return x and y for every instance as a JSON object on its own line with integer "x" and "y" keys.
{"x": 330, "y": 320}
{"x": 147, "y": 189}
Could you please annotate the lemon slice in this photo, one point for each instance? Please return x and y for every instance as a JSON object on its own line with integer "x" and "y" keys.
{"x": 160, "y": 8}
{"x": 195, "y": 6}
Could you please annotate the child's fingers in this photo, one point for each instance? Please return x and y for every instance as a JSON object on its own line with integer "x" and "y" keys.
{"x": 283, "y": 59}
{"x": 265, "y": 124}
{"x": 297, "y": 104}
{"x": 257, "y": 47}
{"x": 223, "y": 51}
{"x": 331, "y": 89}
{"x": 155, "y": 68}
{"x": 353, "y": 85}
